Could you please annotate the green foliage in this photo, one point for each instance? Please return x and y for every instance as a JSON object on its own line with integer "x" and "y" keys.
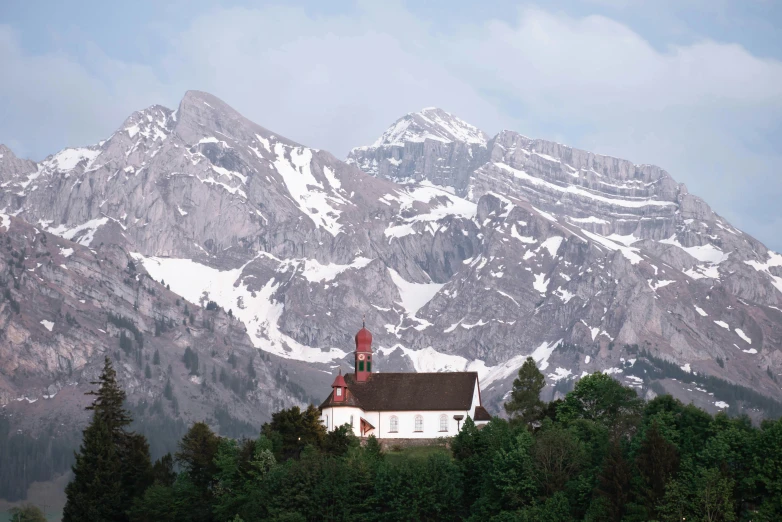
{"x": 190, "y": 358}
{"x": 27, "y": 513}
{"x": 292, "y": 429}
{"x": 112, "y": 466}
{"x": 599, "y": 398}
{"x": 525, "y": 405}
{"x": 600, "y": 454}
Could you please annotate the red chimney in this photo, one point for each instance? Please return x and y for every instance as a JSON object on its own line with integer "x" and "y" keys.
{"x": 340, "y": 388}
{"x": 363, "y": 355}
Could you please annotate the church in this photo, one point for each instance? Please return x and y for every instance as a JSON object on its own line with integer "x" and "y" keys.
{"x": 401, "y": 405}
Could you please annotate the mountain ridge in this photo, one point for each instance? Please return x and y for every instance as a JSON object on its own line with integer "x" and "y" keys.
{"x": 462, "y": 255}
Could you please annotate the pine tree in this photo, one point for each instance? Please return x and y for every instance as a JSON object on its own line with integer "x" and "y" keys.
{"x": 168, "y": 393}
{"x": 525, "y": 404}
{"x": 109, "y": 402}
{"x": 658, "y": 462}
{"x": 156, "y": 358}
{"x": 147, "y": 372}
{"x": 113, "y": 465}
{"x": 95, "y": 492}
{"x": 614, "y": 482}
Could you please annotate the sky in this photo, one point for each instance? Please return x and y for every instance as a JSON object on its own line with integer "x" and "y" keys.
{"x": 694, "y": 86}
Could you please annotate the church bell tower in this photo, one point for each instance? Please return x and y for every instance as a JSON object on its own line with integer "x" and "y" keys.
{"x": 363, "y": 354}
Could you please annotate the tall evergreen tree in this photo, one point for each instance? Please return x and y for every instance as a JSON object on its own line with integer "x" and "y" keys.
{"x": 657, "y": 461}
{"x": 95, "y": 493}
{"x": 525, "y": 404}
{"x": 113, "y": 465}
{"x": 109, "y": 402}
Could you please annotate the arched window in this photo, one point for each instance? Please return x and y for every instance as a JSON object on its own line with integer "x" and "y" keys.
{"x": 443, "y": 422}
{"x": 327, "y": 422}
{"x": 394, "y": 424}
{"x": 351, "y": 421}
{"x": 419, "y": 423}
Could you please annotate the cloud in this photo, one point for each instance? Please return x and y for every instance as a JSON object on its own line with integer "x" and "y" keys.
{"x": 708, "y": 112}
{"x": 51, "y": 100}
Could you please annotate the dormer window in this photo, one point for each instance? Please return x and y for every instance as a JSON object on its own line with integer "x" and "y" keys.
{"x": 339, "y": 392}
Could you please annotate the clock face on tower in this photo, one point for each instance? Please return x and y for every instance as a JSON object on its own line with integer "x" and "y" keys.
{"x": 361, "y": 357}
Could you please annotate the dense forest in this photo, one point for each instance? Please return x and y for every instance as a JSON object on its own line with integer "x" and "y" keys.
{"x": 600, "y": 453}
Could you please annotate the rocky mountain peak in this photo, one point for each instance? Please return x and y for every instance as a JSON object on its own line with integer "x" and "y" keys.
{"x": 463, "y": 253}
{"x": 430, "y": 123}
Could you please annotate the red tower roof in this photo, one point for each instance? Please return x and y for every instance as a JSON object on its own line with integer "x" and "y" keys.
{"x": 339, "y": 382}
{"x": 363, "y": 341}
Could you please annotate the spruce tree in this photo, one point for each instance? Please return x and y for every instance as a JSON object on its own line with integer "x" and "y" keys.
{"x": 109, "y": 402}
{"x": 95, "y": 492}
{"x": 525, "y": 404}
{"x": 113, "y": 465}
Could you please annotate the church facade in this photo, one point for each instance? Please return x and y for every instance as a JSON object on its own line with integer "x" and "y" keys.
{"x": 401, "y": 405}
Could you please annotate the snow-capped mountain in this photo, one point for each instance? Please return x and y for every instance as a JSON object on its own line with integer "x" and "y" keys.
{"x": 462, "y": 251}
{"x": 431, "y": 144}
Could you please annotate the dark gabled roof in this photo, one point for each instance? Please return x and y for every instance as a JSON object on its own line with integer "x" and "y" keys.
{"x": 481, "y": 414}
{"x": 410, "y": 391}
{"x": 350, "y": 400}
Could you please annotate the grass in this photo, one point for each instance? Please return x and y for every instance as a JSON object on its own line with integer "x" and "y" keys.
{"x": 416, "y": 452}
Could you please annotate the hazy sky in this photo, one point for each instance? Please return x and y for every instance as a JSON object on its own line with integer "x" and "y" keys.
{"x": 694, "y": 86}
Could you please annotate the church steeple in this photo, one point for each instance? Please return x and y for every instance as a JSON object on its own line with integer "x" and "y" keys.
{"x": 363, "y": 354}
{"x": 339, "y": 388}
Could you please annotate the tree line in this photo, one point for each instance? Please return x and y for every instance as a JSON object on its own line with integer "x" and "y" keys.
{"x": 599, "y": 454}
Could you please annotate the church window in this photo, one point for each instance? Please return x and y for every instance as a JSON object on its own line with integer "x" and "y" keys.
{"x": 419, "y": 423}
{"x": 361, "y": 366}
{"x": 394, "y": 424}
{"x": 351, "y": 421}
{"x": 339, "y": 392}
{"x": 327, "y": 421}
{"x": 369, "y": 366}
{"x": 443, "y": 422}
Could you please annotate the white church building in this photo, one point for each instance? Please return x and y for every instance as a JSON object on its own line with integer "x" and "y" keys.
{"x": 401, "y": 405}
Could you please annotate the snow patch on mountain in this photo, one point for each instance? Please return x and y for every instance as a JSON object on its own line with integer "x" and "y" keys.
{"x": 307, "y": 192}
{"x": 315, "y": 272}
{"x": 413, "y": 296}
{"x": 260, "y": 311}
{"x": 85, "y": 231}
{"x": 430, "y": 124}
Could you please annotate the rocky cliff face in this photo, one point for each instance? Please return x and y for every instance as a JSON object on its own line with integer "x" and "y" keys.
{"x": 65, "y": 306}
{"x": 428, "y": 145}
{"x": 463, "y": 252}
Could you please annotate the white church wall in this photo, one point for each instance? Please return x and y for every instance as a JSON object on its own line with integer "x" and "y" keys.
{"x": 333, "y": 417}
{"x": 406, "y": 424}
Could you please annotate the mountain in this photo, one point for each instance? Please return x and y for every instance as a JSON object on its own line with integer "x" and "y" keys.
{"x": 595, "y": 253}
{"x": 428, "y": 145}
{"x": 460, "y": 250}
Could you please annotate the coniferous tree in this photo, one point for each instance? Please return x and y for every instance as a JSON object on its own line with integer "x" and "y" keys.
{"x": 168, "y": 392}
{"x": 163, "y": 470}
{"x": 525, "y": 405}
{"x": 147, "y": 372}
{"x": 113, "y": 465}
{"x": 657, "y": 461}
{"x": 614, "y": 482}
{"x": 156, "y": 358}
{"x": 95, "y": 492}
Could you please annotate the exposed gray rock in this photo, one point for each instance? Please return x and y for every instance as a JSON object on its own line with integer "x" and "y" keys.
{"x": 461, "y": 251}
